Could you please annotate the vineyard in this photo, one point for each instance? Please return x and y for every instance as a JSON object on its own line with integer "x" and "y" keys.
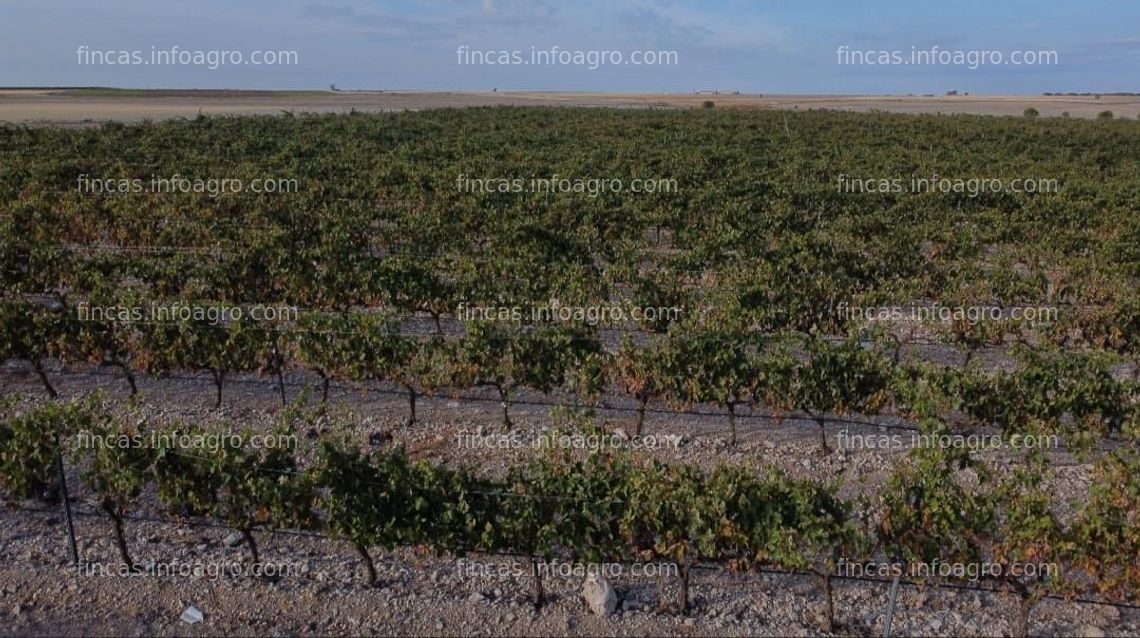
{"x": 741, "y": 293}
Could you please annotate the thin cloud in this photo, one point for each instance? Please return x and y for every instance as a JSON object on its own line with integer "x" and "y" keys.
{"x": 665, "y": 23}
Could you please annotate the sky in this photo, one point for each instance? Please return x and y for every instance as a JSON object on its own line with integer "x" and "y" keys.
{"x": 751, "y": 46}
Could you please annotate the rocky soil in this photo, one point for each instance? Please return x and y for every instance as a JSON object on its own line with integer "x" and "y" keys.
{"x": 323, "y": 591}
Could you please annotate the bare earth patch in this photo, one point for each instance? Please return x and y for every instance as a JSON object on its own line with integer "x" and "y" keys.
{"x": 75, "y": 107}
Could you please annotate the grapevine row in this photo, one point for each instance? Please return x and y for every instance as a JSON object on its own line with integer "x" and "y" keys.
{"x": 1057, "y": 392}
{"x": 604, "y": 507}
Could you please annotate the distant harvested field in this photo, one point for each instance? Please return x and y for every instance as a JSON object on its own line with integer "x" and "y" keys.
{"x": 79, "y": 106}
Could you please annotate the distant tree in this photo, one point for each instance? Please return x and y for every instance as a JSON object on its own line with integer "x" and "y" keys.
{"x": 1104, "y": 115}
{"x": 1031, "y": 113}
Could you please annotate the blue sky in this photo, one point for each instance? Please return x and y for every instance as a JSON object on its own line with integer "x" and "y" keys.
{"x": 753, "y": 46}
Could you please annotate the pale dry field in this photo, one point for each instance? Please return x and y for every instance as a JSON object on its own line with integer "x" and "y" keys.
{"x": 31, "y": 106}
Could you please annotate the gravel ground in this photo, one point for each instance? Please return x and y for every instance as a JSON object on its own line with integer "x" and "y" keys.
{"x": 324, "y": 591}
{"x": 424, "y": 595}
